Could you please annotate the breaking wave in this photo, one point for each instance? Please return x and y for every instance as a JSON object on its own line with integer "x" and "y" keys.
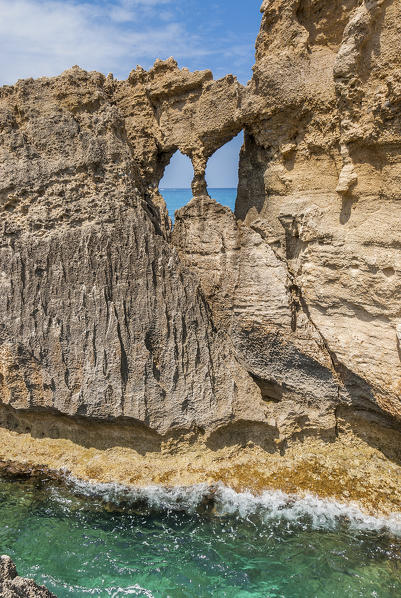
{"x": 270, "y": 506}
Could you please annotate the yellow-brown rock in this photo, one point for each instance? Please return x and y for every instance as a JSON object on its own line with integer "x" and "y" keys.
{"x": 278, "y": 324}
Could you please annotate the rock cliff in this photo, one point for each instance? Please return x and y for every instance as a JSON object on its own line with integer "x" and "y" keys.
{"x": 275, "y": 324}
{"x": 13, "y": 586}
{"x": 98, "y": 316}
{"x": 313, "y": 295}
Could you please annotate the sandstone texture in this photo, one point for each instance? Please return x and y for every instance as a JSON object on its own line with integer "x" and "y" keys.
{"x": 275, "y": 325}
{"x": 13, "y": 586}
{"x": 306, "y": 276}
{"x": 98, "y": 315}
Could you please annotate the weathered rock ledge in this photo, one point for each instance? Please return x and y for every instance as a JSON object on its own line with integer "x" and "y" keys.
{"x": 350, "y": 468}
{"x": 14, "y": 586}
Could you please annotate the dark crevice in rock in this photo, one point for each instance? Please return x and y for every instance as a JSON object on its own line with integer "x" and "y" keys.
{"x": 124, "y": 359}
{"x": 87, "y": 432}
{"x": 270, "y": 390}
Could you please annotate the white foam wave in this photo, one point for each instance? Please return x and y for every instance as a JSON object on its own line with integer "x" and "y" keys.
{"x": 322, "y": 513}
{"x": 156, "y": 497}
{"x": 270, "y": 506}
{"x": 79, "y": 590}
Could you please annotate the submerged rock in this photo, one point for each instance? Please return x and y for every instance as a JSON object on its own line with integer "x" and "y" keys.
{"x": 14, "y": 586}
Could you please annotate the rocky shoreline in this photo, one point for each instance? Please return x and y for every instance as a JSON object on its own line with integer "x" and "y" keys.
{"x": 260, "y": 348}
{"x": 14, "y": 586}
{"x": 348, "y": 470}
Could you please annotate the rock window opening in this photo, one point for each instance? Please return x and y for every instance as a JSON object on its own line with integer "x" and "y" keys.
{"x": 222, "y": 172}
{"x": 175, "y": 186}
{"x": 221, "y": 177}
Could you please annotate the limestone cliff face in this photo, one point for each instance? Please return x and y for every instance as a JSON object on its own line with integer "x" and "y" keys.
{"x": 253, "y": 297}
{"x": 313, "y": 298}
{"x": 98, "y": 316}
{"x": 327, "y": 145}
{"x": 287, "y": 313}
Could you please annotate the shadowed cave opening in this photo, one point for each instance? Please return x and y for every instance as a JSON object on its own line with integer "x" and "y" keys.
{"x": 221, "y": 177}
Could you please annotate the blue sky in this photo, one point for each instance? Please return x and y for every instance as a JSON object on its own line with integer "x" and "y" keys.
{"x": 44, "y": 37}
{"x": 222, "y": 168}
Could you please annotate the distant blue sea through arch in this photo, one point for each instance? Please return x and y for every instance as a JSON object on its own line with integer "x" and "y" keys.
{"x": 177, "y": 198}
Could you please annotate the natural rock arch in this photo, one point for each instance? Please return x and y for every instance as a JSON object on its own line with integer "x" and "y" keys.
{"x": 175, "y": 185}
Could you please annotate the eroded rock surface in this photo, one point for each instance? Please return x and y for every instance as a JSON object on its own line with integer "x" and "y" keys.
{"x": 286, "y": 315}
{"x": 98, "y": 316}
{"x": 326, "y": 145}
{"x": 14, "y": 586}
{"x": 312, "y": 297}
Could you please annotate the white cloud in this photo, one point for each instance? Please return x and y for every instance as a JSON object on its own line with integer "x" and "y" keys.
{"x": 44, "y": 37}
{"x": 125, "y": 11}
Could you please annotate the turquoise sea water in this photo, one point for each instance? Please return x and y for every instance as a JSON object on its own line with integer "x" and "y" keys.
{"x": 177, "y": 198}
{"x": 154, "y": 543}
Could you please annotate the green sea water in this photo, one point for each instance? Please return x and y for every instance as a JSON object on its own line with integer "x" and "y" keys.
{"x": 177, "y": 198}
{"x": 104, "y": 541}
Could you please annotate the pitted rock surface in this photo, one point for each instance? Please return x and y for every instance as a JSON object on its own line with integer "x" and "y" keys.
{"x": 286, "y": 313}
{"x": 307, "y": 276}
{"x": 99, "y": 318}
{"x": 13, "y": 586}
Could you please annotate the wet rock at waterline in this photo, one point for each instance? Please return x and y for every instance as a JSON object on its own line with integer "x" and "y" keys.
{"x": 13, "y": 586}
